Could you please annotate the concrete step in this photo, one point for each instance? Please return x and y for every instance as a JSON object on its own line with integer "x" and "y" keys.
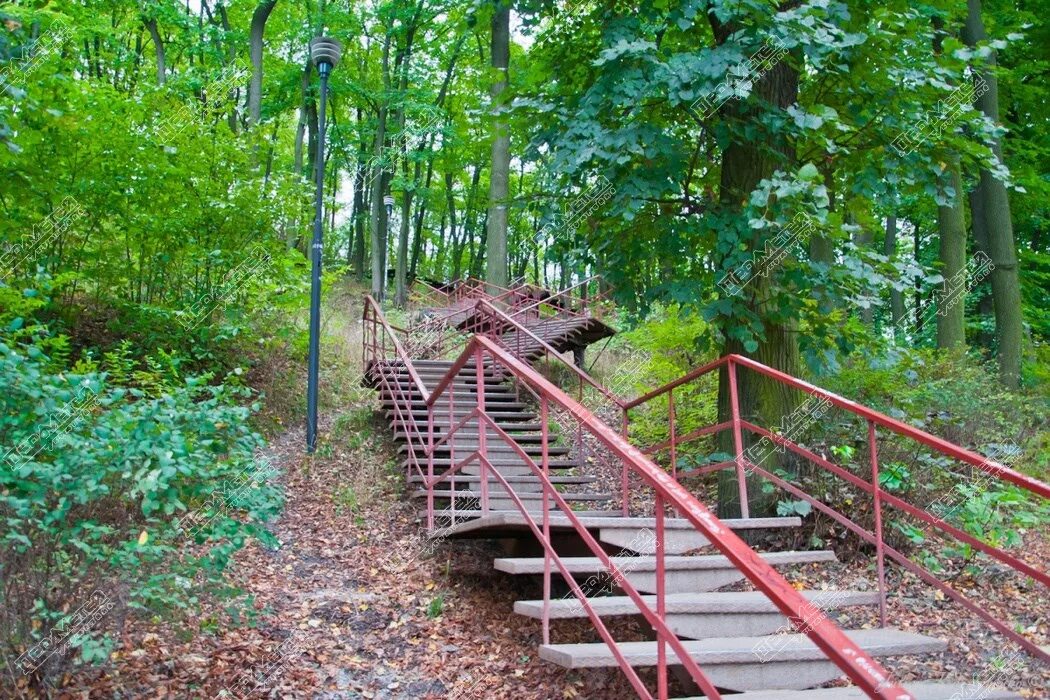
{"x": 526, "y": 483}
{"x": 465, "y": 438}
{"x": 500, "y": 396}
{"x": 681, "y": 574}
{"x": 502, "y": 417}
{"x": 495, "y": 448}
{"x": 788, "y": 661}
{"x": 465, "y": 384}
{"x": 920, "y": 691}
{"x": 465, "y": 514}
{"x": 698, "y": 615}
{"x": 680, "y": 536}
{"x": 507, "y": 466}
{"x": 441, "y": 427}
{"x": 498, "y": 494}
{"x": 418, "y": 405}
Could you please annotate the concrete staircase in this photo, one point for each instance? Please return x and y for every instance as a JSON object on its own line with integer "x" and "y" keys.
{"x": 739, "y": 638}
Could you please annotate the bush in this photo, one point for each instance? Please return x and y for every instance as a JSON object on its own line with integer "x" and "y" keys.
{"x": 114, "y": 501}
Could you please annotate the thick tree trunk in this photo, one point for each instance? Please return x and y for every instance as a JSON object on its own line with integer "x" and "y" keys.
{"x": 499, "y": 178}
{"x": 761, "y": 400}
{"x": 1006, "y": 285}
{"x": 985, "y": 305}
{"x": 951, "y": 303}
{"x": 255, "y": 50}
{"x": 380, "y": 180}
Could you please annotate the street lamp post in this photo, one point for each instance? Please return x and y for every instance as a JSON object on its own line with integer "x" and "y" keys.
{"x": 325, "y": 53}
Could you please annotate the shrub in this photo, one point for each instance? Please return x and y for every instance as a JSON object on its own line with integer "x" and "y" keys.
{"x": 114, "y": 500}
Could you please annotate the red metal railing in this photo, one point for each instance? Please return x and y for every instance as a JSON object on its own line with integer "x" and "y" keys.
{"x": 881, "y": 497}
{"x": 486, "y": 355}
{"x": 561, "y": 303}
{"x": 380, "y": 343}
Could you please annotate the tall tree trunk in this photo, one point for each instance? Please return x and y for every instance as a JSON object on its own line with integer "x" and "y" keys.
{"x": 861, "y": 239}
{"x": 499, "y": 178}
{"x": 255, "y": 50}
{"x": 452, "y": 236}
{"x": 421, "y": 213}
{"x": 1006, "y": 285}
{"x": 158, "y": 50}
{"x": 438, "y": 268}
{"x": 763, "y": 401}
{"x": 896, "y": 296}
{"x": 469, "y": 224}
{"x": 401, "y": 295}
{"x": 951, "y": 303}
{"x": 358, "y": 262}
{"x": 380, "y": 179}
{"x": 985, "y": 305}
{"x": 919, "y": 314}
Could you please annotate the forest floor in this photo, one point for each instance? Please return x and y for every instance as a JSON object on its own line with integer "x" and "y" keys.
{"x": 355, "y": 603}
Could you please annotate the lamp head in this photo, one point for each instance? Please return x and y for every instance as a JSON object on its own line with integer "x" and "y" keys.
{"x": 388, "y": 200}
{"x": 325, "y": 53}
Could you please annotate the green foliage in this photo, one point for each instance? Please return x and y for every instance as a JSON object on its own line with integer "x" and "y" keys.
{"x": 108, "y": 487}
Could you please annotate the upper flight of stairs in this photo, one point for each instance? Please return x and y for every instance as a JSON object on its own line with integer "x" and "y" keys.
{"x": 739, "y": 638}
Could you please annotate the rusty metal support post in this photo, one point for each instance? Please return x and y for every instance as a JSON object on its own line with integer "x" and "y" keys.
{"x": 661, "y": 602}
{"x": 738, "y": 441}
{"x": 546, "y": 466}
{"x": 673, "y": 434}
{"x": 430, "y": 466}
{"x": 479, "y": 372}
{"x": 625, "y": 482}
{"x": 876, "y": 491}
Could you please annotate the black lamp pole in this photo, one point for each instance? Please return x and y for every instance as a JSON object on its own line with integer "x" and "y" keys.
{"x": 325, "y": 53}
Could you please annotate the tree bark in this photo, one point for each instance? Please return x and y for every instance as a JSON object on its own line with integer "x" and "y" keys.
{"x": 255, "y": 49}
{"x": 951, "y": 302}
{"x": 896, "y": 296}
{"x": 985, "y": 305}
{"x": 358, "y": 262}
{"x": 421, "y": 213}
{"x": 158, "y": 50}
{"x": 380, "y": 180}
{"x": 763, "y": 401}
{"x": 1006, "y": 285}
{"x": 499, "y": 178}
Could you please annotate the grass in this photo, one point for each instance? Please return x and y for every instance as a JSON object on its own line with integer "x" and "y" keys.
{"x": 436, "y": 607}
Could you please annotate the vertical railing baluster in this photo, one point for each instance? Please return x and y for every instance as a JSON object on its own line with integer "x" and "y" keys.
{"x": 661, "y": 601}
{"x": 876, "y": 490}
{"x": 430, "y": 466}
{"x": 673, "y": 434}
{"x": 625, "y": 482}
{"x": 545, "y": 465}
{"x": 450, "y": 442}
{"x": 738, "y": 441}
{"x": 482, "y": 430}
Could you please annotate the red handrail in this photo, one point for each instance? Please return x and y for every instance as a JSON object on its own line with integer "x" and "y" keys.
{"x": 854, "y": 661}
{"x": 563, "y": 292}
{"x": 873, "y": 487}
{"x": 507, "y": 321}
{"x": 371, "y": 305}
